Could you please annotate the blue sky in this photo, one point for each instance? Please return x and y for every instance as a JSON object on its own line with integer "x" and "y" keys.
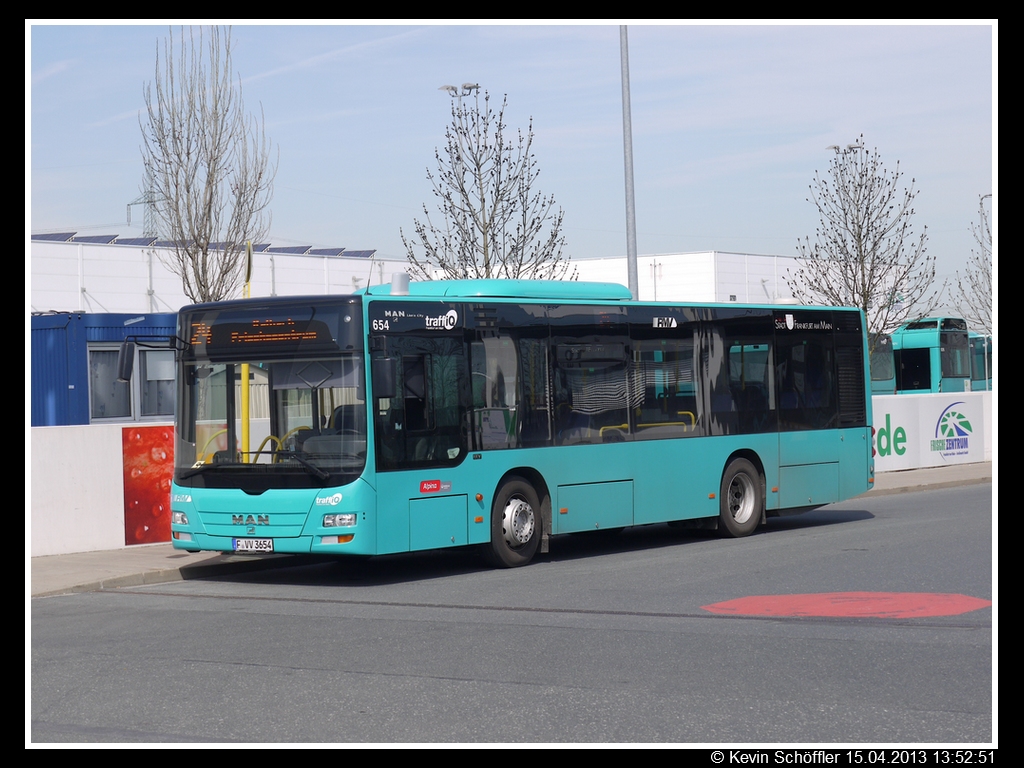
{"x": 730, "y": 123}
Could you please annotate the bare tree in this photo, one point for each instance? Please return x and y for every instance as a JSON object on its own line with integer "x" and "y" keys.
{"x": 209, "y": 162}
{"x": 974, "y": 288}
{"x": 495, "y": 224}
{"x": 865, "y": 253}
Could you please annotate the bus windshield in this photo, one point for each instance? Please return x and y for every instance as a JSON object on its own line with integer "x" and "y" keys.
{"x": 882, "y": 368}
{"x": 271, "y": 395}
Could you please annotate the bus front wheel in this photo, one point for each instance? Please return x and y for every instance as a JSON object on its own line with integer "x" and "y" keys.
{"x": 741, "y": 502}
{"x": 515, "y": 524}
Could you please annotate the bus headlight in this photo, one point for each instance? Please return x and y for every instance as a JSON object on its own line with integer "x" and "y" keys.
{"x": 344, "y": 520}
{"x": 179, "y": 518}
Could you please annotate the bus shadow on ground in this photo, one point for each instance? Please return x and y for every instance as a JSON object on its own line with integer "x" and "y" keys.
{"x": 400, "y": 568}
{"x": 662, "y": 535}
{"x": 823, "y": 516}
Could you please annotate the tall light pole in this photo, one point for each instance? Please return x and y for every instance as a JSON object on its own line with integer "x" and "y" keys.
{"x": 627, "y": 140}
{"x": 467, "y": 89}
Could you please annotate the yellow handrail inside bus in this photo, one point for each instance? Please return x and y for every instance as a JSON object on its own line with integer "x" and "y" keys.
{"x": 202, "y": 454}
{"x": 280, "y": 445}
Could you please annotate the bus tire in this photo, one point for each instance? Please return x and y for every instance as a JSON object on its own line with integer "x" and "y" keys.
{"x": 741, "y": 501}
{"x": 515, "y": 524}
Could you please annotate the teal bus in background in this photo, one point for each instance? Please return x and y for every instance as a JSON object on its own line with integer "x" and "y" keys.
{"x": 981, "y": 362}
{"x": 500, "y": 414}
{"x": 932, "y": 354}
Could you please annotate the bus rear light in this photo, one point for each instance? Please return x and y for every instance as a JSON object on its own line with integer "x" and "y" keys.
{"x": 337, "y": 539}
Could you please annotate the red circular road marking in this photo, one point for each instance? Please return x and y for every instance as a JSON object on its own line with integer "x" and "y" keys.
{"x": 885, "y": 605}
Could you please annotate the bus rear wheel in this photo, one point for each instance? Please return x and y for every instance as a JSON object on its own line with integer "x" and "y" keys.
{"x": 515, "y": 524}
{"x": 742, "y": 500}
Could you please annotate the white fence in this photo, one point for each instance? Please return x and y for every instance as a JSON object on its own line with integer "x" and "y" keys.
{"x": 77, "y": 489}
{"x": 929, "y": 430}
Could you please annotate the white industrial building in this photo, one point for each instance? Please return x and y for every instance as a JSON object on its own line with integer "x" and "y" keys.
{"x": 111, "y": 274}
{"x": 700, "y": 277}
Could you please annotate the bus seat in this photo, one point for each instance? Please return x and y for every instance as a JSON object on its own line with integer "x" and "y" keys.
{"x": 350, "y": 417}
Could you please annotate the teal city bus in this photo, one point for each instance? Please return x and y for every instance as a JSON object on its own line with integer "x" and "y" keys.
{"x": 932, "y": 355}
{"x": 503, "y": 413}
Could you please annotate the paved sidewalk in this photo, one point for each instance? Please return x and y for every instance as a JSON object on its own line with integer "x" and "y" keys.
{"x": 159, "y": 563}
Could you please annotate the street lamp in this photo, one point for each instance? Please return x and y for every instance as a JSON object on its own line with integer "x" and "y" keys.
{"x": 859, "y": 144}
{"x": 467, "y": 89}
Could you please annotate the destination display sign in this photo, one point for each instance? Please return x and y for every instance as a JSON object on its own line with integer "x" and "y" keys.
{"x": 258, "y": 333}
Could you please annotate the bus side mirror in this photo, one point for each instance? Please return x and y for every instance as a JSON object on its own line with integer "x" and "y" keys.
{"x": 125, "y": 361}
{"x": 384, "y": 374}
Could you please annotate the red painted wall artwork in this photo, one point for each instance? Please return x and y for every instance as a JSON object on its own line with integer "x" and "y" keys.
{"x": 148, "y": 467}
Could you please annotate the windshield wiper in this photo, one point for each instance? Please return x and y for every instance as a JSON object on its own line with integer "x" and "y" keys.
{"x": 203, "y": 467}
{"x": 305, "y": 463}
{"x": 313, "y": 468}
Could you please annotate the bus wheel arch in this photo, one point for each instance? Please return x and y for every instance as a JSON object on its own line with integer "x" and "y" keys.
{"x": 520, "y": 519}
{"x": 742, "y": 495}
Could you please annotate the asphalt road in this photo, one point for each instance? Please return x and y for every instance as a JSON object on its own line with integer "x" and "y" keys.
{"x": 607, "y": 639}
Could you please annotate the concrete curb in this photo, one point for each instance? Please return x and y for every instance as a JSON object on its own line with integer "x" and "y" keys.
{"x": 213, "y": 567}
{"x": 924, "y": 487}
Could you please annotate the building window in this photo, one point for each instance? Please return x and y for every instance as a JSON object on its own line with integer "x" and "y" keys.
{"x": 108, "y": 397}
{"x": 156, "y": 381}
{"x": 149, "y": 395}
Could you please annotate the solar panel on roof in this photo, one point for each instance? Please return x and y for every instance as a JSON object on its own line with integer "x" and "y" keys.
{"x": 102, "y": 239}
{"x": 326, "y": 251}
{"x": 294, "y": 249}
{"x": 143, "y": 241}
{"x": 60, "y": 237}
{"x": 223, "y": 246}
{"x": 360, "y": 254}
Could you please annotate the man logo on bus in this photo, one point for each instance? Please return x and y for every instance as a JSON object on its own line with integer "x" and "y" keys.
{"x": 250, "y": 520}
{"x": 445, "y": 322}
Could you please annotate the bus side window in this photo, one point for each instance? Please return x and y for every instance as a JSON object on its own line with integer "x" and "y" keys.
{"x": 665, "y": 403}
{"x": 591, "y": 391}
{"x": 423, "y": 424}
{"x": 494, "y": 369}
{"x": 535, "y": 407}
{"x": 415, "y": 393}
